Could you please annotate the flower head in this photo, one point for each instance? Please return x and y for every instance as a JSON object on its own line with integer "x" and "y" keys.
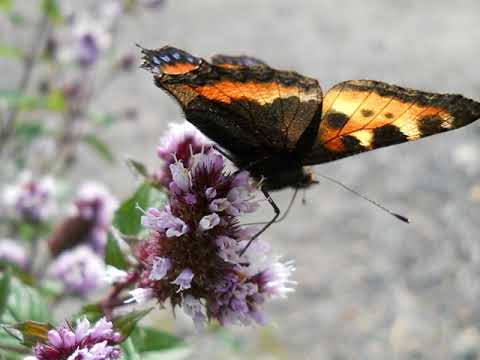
{"x": 192, "y": 256}
{"x": 96, "y": 205}
{"x": 84, "y": 342}
{"x": 180, "y": 143}
{"x": 80, "y": 270}
{"x": 30, "y": 199}
{"x": 12, "y": 252}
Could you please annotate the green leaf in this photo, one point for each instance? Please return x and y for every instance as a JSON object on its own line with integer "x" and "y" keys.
{"x": 25, "y": 303}
{"x": 93, "y": 312}
{"x": 33, "y": 331}
{"x": 127, "y": 323}
{"x": 102, "y": 119}
{"x": 27, "y": 132}
{"x": 129, "y": 351}
{"x": 127, "y": 217}
{"x": 148, "y": 339}
{"x": 15, "y": 18}
{"x": 7, "y": 341}
{"x": 100, "y": 147}
{"x": 4, "y": 291}
{"x": 52, "y": 9}
{"x": 10, "y": 51}
{"x": 138, "y": 167}
{"x": 114, "y": 255}
{"x": 6, "y": 5}
{"x": 56, "y": 101}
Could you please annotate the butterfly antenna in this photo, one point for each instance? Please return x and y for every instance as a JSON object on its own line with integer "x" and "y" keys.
{"x": 398, "y": 216}
{"x": 284, "y": 215}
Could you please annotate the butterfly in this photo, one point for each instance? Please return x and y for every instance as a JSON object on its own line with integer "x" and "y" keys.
{"x": 274, "y": 123}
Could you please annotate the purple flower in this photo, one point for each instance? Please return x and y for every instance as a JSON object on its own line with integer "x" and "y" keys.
{"x": 180, "y": 142}
{"x": 192, "y": 255}
{"x": 12, "y": 252}
{"x": 30, "y": 199}
{"x": 80, "y": 270}
{"x": 82, "y": 343}
{"x": 96, "y": 205}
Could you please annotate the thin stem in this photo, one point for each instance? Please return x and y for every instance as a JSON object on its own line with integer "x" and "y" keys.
{"x": 28, "y": 65}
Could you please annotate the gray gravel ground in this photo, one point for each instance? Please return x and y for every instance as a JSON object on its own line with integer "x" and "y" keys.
{"x": 369, "y": 287}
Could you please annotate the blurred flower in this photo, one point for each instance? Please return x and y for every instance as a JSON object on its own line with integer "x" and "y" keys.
{"x": 30, "y": 199}
{"x": 192, "y": 256}
{"x": 91, "y": 33}
{"x": 12, "y": 252}
{"x": 96, "y": 205}
{"x": 127, "y": 62}
{"x": 180, "y": 142}
{"x": 80, "y": 270}
{"x": 84, "y": 342}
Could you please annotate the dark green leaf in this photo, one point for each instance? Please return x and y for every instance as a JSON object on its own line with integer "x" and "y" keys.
{"x": 127, "y": 217}
{"x": 114, "y": 255}
{"x": 10, "y": 52}
{"x": 33, "y": 332}
{"x": 52, "y": 9}
{"x": 27, "y": 132}
{"x": 137, "y": 167}
{"x": 126, "y": 323}
{"x": 93, "y": 312}
{"x": 100, "y": 147}
{"x": 4, "y": 291}
{"x": 149, "y": 339}
{"x": 129, "y": 351}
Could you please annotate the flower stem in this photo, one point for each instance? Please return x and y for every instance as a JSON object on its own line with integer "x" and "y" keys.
{"x": 29, "y": 62}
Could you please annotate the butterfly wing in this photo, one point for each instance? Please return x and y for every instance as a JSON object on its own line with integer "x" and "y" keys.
{"x": 363, "y": 115}
{"x": 239, "y": 102}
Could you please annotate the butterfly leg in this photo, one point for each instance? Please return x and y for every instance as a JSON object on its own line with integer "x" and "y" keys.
{"x": 276, "y": 209}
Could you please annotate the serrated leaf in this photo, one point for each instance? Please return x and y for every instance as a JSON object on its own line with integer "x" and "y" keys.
{"x": 4, "y": 291}
{"x": 138, "y": 167}
{"x": 52, "y": 9}
{"x": 129, "y": 351}
{"x": 114, "y": 255}
{"x": 127, "y": 323}
{"x": 10, "y": 52}
{"x": 147, "y": 339}
{"x": 33, "y": 332}
{"x": 100, "y": 147}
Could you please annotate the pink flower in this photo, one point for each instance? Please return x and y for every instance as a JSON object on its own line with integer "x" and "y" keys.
{"x": 80, "y": 270}
{"x": 84, "y": 342}
{"x": 192, "y": 256}
{"x": 12, "y": 252}
{"x": 30, "y": 199}
{"x": 180, "y": 142}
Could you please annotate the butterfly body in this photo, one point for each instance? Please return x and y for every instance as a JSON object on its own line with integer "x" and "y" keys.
{"x": 274, "y": 123}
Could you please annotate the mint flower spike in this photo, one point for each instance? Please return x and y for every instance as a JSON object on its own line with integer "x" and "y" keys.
{"x": 193, "y": 254}
{"x": 97, "y": 342}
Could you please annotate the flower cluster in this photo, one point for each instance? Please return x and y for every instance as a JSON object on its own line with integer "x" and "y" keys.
{"x": 30, "y": 199}
{"x": 193, "y": 256}
{"x": 12, "y": 252}
{"x": 79, "y": 270}
{"x": 181, "y": 141}
{"x": 96, "y": 205}
{"x": 84, "y": 342}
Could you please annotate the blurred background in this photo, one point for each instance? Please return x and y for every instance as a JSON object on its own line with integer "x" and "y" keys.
{"x": 369, "y": 286}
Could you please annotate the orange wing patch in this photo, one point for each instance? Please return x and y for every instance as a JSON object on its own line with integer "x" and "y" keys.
{"x": 357, "y": 111}
{"x": 261, "y": 93}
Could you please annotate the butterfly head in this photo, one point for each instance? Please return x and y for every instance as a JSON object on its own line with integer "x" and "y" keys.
{"x": 308, "y": 179}
{"x": 169, "y": 61}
